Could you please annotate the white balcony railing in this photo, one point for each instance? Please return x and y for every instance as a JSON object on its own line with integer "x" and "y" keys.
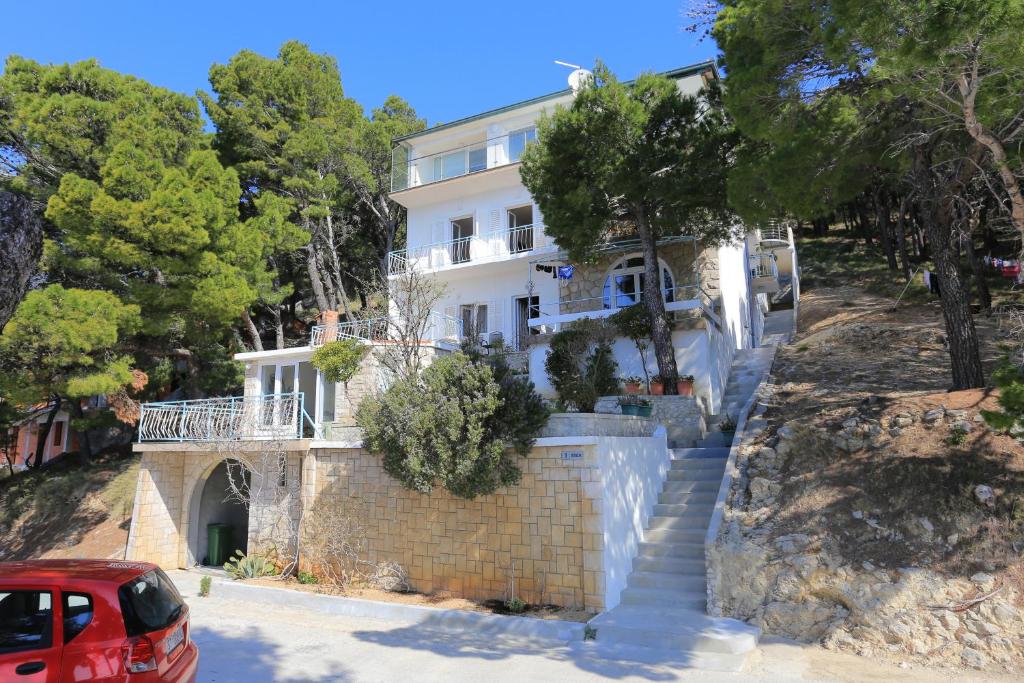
{"x": 549, "y": 317}
{"x": 436, "y": 328}
{"x": 272, "y": 416}
{"x": 763, "y": 266}
{"x": 491, "y": 246}
{"x": 774, "y": 234}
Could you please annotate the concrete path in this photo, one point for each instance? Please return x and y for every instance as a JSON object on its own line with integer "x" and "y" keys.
{"x": 245, "y": 643}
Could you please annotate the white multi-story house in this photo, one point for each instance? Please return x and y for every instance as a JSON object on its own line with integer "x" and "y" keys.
{"x": 612, "y": 510}
{"x": 473, "y": 226}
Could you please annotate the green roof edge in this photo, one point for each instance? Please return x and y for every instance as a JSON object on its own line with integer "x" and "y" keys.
{"x": 673, "y": 73}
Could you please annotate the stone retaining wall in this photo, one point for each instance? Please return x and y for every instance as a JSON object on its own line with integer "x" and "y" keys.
{"x": 682, "y": 416}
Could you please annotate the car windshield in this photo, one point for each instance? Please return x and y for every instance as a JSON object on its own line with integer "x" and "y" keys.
{"x": 149, "y": 603}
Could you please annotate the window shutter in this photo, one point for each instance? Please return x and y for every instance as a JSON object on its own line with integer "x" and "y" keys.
{"x": 495, "y": 220}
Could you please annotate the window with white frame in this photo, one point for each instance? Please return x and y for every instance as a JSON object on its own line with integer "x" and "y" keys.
{"x": 460, "y": 162}
{"x": 517, "y": 141}
{"x": 624, "y": 285}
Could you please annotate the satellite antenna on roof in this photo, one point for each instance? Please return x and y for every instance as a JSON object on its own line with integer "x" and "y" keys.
{"x": 579, "y": 76}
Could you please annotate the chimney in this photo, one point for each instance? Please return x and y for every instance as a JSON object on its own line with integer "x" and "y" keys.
{"x": 329, "y": 319}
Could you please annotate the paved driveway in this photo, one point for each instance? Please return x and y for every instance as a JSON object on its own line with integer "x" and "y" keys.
{"x": 249, "y": 643}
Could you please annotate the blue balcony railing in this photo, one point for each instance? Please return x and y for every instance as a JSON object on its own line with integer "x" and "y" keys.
{"x": 234, "y": 418}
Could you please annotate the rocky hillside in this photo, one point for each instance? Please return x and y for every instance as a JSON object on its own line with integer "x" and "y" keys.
{"x": 875, "y": 512}
{"x": 68, "y": 511}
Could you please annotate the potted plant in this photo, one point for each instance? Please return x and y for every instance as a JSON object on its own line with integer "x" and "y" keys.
{"x": 657, "y": 385}
{"x": 632, "y": 384}
{"x": 629, "y": 405}
{"x": 728, "y": 428}
{"x": 684, "y": 385}
{"x": 643, "y": 408}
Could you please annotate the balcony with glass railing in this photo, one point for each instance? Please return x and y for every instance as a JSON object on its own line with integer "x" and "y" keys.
{"x": 410, "y": 169}
{"x": 433, "y": 329}
{"x": 492, "y": 246}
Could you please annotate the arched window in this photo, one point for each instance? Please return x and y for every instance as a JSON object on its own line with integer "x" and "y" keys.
{"x": 624, "y": 285}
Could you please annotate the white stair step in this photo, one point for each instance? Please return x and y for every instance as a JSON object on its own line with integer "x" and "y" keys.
{"x": 670, "y": 565}
{"x": 698, "y": 497}
{"x": 692, "y": 486}
{"x": 696, "y": 475}
{"x": 679, "y": 629}
{"x": 675, "y": 535}
{"x": 690, "y": 464}
{"x": 664, "y": 549}
{"x": 682, "y": 509}
{"x": 660, "y": 597}
{"x": 695, "y": 519}
{"x": 690, "y": 453}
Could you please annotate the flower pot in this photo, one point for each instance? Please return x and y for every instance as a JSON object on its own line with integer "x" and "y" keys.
{"x": 629, "y": 408}
{"x": 643, "y": 411}
{"x": 657, "y": 389}
{"x": 633, "y": 388}
{"x": 684, "y": 387}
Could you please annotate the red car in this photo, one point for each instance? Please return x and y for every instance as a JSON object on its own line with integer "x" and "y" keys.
{"x": 93, "y": 620}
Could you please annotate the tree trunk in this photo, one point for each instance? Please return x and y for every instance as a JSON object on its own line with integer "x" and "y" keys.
{"x": 278, "y": 327}
{"x": 44, "y": 436}
{"x": 21, "y": 245}
{"x": 980, "y": 284}
{"x": 654, "y": 302}
{"x": 938, "y": 214}
{"x": 865, "y": 222}
{"x": 885, "y": 227}
{"x": 315, "y": 283}
{"x": 254, "y": 334}
{"x": 84, "y": 447}
{"x": 901, "y": 239}
{"x": 969, "y": 92}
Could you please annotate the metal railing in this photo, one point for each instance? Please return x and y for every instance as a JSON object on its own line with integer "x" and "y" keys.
{"x": 490, "y": 246}
{"x": 774, "y": 232}
{"x": 408, "y": 171}
{"x": 555, "y": 313}
{"x": 271, "y": 416}
{"x": 763, "y": 265}
{"x": 437, "y": 327}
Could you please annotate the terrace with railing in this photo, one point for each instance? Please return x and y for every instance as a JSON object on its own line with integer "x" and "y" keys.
{"x": 488, "y": 247}
{"x": 436, "y": 328}
{"x": 234, "y": 418}
{"x": 550, "y": 316}
{"x": 410, "y": 169}
{"x": 774, "y": 235}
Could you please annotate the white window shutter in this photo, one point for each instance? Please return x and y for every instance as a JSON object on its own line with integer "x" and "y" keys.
{"x": 495, "y": 220}
{"x": 437, "y": 232}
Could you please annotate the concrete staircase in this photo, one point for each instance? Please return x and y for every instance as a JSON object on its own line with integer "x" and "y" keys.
{"x": 661, "y": 617}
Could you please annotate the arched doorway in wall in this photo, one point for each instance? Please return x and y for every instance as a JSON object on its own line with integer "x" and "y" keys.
{"x": 213, "y": 503}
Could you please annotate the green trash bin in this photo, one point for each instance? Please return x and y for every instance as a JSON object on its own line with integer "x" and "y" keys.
{"x": 218, "y": 547}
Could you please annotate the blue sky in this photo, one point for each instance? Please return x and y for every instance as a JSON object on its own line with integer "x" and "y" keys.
{"x": 449, "y": 59}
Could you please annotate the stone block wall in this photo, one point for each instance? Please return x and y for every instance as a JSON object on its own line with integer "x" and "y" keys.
{"x": 682, "y": 416}
{"x": 597, "y": 424}
{"x": 549, "y": 526}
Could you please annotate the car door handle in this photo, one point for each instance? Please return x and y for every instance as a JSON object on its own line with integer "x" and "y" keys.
{"x": 29, "y": 668}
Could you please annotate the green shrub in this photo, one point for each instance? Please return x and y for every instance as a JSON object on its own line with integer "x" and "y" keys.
{"x": 453, "y": 426}
{"x": 204, "y": 586}
{"x": 244, "y": 566}
{"x": 1010, "y": 380}
{"x": 581, "y": 364}
{"x": 307, "y": 578}
{"x": 515, "y": 605}
{"x": 634, "y": 323}
{"x": 339, "y": 360}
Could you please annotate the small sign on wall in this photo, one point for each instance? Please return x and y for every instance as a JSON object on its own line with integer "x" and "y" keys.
{"x": 571, "y": 455}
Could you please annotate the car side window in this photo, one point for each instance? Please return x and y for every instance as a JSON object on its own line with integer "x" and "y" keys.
{"x": 26, "y": 620}
{"x": 77, "y": 614}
